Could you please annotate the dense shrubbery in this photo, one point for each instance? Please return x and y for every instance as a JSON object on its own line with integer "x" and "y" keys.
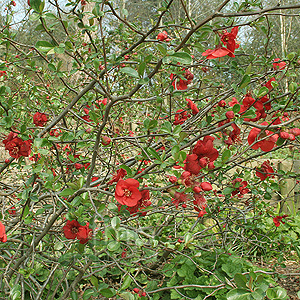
{"x": 138, "y": 156}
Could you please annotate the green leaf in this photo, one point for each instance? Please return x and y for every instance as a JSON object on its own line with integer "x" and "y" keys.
{"x": 240, "y": 280}
{"x": 74, "y": 295}
{"x": 110, "y": 233}
{"x": 188, "y": 238}
{"x": 129, "y": 71}
{"x": 115, "y": 222}
{"x": 250, "y": 113}
{"x": 66, "y": 192}
{"x": 245, "y": 81}
{"x": 292, "y": 87}
{"x": 127, "y": 296}
{"x": 166, "y": 127}
{"x": 141, "y": 68}
{"x": 263, "y": 91}
{"x": 113, "y": 246}
{"x": 162, "y": 48}
{"x": 153, "y": 153}
{"x": 226, "y": 155}
{"x": 228, "y": 190}
{"x": 88, "y": 294}
{"x": 44, "y": 46}
{"x": 181, "y": 57}
{"x": 108, "y": 293}
{"x": 236, "y": 108}
{"x": 126, "y": 282}
{"x": 175, "y": 152}
{"x": 50, "y": 16}
{"x": 94, "y": 281}
{"x": 238, "y": 294}
{"x": 37, "y": 5}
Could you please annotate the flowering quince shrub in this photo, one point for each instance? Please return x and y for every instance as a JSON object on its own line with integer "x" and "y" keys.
{"x": 137, "y": 156}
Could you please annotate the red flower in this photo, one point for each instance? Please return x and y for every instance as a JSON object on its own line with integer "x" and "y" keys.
{"x": 16, "y": 146}
{"x": 192, "y": 106}
{"x": 228, "y": 39}
{"x": 203, "y": 154}
{"x": 222, "y": 103}
{"x": 192, "y": 164}
{"x": 268, "y": 83}
{"x": 78, "y": 166}
{"x": 180, "y": 117}
{"x": 179, "y": 198}
{"x": 278, "y": 65}
{"x": 182, "y": 84}
{"x": 266, "y": 144}
{"x": 234, "y": 135}
{"x": 127, "y": 192}
{"x": 219, "y": 51}
{"x": 240, "y": 187}
{"x": 84, "y": 233}
{"x": 74, "y": 230}
{"x": 233, "y": 102}
{"x": 142, "y": 203}
{"x": 71, "y": 229}
{"x": 163, "y": 36}
{"x": 116, "y": 177}
{"x": 205, "y": 149}
{"x": 40, "y": 119}
{"x": 278, "y": 219}
{"x": 3, "y": 236}
{"x": 265, "y": 170}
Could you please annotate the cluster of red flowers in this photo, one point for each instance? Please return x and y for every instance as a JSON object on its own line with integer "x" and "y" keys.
{"x": 3, "y": 237}
{"x": 240, "y": 187}
{"x": 265, "y": 170}
{"x": 267, "y": 144}
{"x": 279, "y": 64}
{"x": 229, "y": 40}
{"x": 278, "y": 219}
{"x": 203, "y": 154}
{"x": 127, "y": 193}
{"x": 40, "y": 119}
{"x": 181, "y": 116}
{"x": 189, "y": 180}
{"x": 73, "y": 230}
{"x": 261, "y": 105}
{"x": 163, "y": 37}
{"x": 121, "y": 173}
{"x": 181, "y": 84}
{"x": 16, "y": 146}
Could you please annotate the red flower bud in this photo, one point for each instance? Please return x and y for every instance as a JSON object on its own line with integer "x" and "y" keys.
{"x": 173, "y": 179}
{"x": 197, "y": 189}
{"x": 284, "y": 135}
{"x": 295, "y": 131}
{"x": 230, "y": 115}
{"x": 206, "y": 186}
{"x": 105, "y": 140}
